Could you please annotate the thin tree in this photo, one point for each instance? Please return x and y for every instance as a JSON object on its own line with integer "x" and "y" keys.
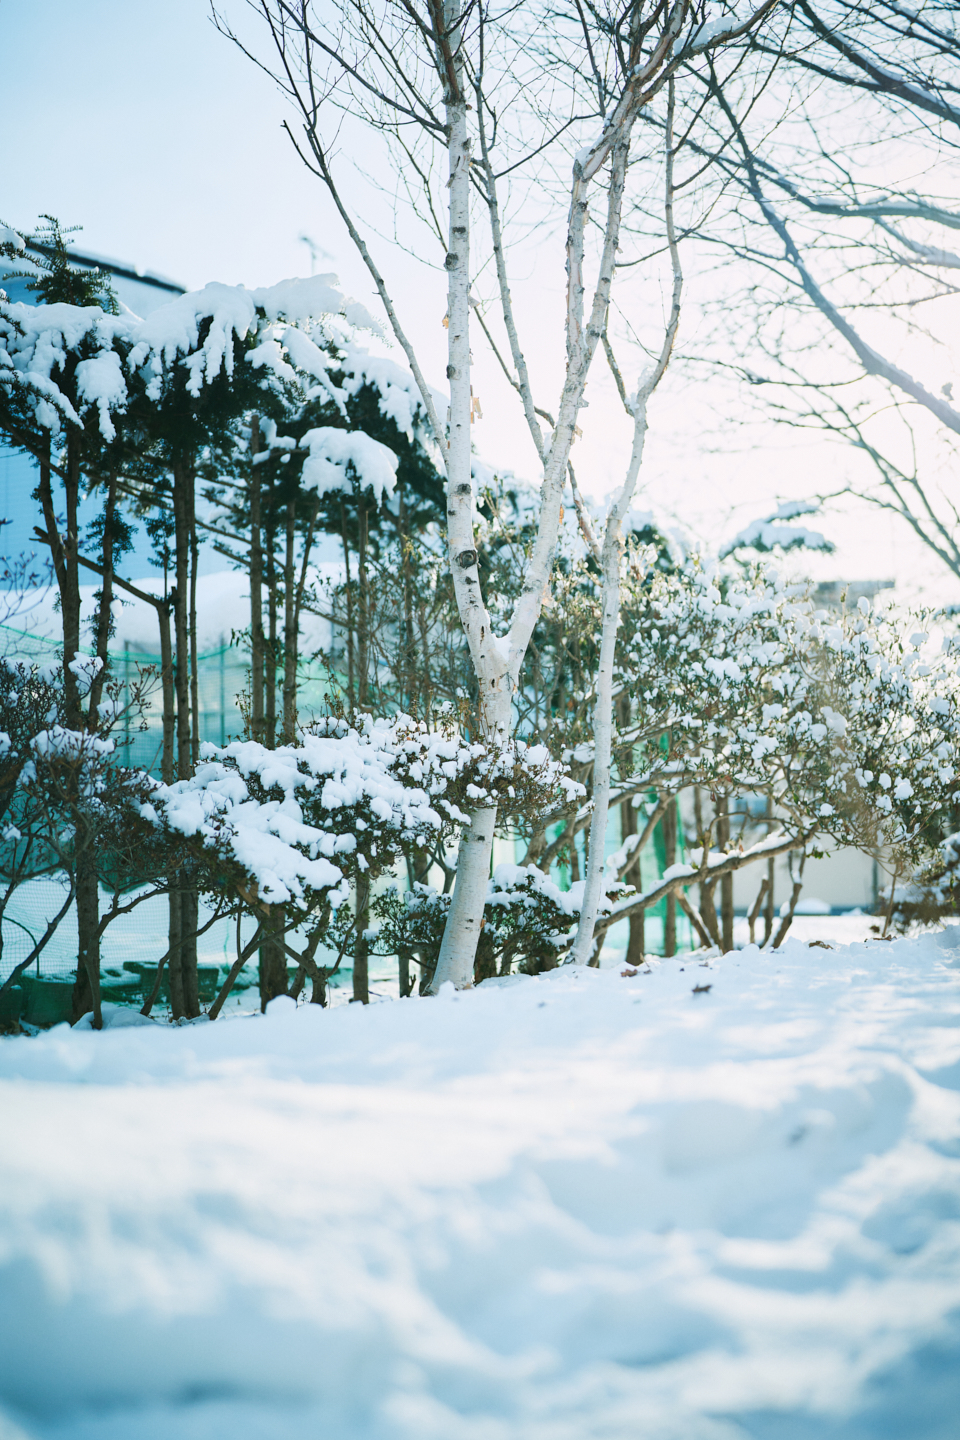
{"x": 432, "y": 67}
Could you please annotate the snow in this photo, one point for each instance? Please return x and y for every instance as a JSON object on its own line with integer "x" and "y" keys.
{"x": 173, "y": 330}
{"x": 765, "y": 535}
{"x": 714, "y": 30}
{"x": 399, "y": 398}
{"x": 11, "y": 238}
{"x": 101, "y": 382}
{"x": 809, "y": 905}
{"x": 590, "y": 1204}
{"x": 337, "y": 455}
{"x": 287, "y": 854}
{"x": 36, "y": 339}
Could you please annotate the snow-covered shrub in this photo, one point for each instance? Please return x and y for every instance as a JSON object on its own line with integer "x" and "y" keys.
{"x": 67, "y": 799}
{"x": 298, "y": 823}
{"x": 301, "y": 822}
{"x": 527, "y": 927}
{"x": 848, "y": 719}
{"x": 932, "y": 893}
{"x": 739, "y": 684}
{"x": 297, "y": 826}
{"x": 517, "y": 777}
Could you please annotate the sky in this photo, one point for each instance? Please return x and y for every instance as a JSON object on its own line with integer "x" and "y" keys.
{"x": 145, "y": 126}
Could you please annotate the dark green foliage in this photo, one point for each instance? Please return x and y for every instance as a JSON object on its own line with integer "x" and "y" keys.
{"x": 59, "y": 281}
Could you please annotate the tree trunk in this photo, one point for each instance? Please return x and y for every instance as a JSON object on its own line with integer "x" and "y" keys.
{"x": 168, "y": 688}
{"x": 755, "y": 910}
{"x": 290, "y": 628}
{"x": 465, "y": 920}
{"x": 103, "y": 610}
{"x": 403, "y": 975}
{"x": 797, "y": 877}
{"x": 270, "y": 698}
{"x": 86, "y": 990}
{"x": 183, "y": 912}
{"x": 726, "y": 881}
{"x": 583, "y": 946}
{"x": 256, "y": 590}
{"x": 70, "y": 591}
{"x": 363, "y": 631}
{"x": 409, "y": 696}
{"x": 636, "y": 944}
{"x": 609, "y": 557}
{"x": 272, "y": 968}
{"x": 708, "y": 912}
{"x": 769, "y": 915}
{"x": 194, "y": 657}
{"x": 189, "y": 925}
{"x": 361, "y": 948}
{"x": 181, "y": 616}
{"x": 175, "y": 941}
{"x": 669, "y": 827}
{"x": 348, "y": 593}
{"x": 272, "y": 958}
{"x": 497, "y": 667}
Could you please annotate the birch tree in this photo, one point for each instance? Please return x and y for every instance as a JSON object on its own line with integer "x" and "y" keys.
{"x": 471, "y": 82}
{"x": 609, "y": 559}
{"x": 842, "y": 230}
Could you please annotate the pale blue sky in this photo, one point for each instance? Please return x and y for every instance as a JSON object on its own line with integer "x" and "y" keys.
{"x": 141, "y": 123}
{"x": 144, "y": 125}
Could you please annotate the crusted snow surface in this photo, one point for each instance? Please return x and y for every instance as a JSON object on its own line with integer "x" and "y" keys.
{"x": 591, "y": 1204}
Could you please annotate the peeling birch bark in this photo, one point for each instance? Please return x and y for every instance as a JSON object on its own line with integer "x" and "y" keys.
{"x": 464, "y": 922}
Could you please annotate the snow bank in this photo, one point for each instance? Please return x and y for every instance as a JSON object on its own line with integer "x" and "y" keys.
{"x": 708, "y": 1202}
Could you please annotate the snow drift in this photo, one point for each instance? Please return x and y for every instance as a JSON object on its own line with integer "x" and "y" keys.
{"x": 708, "y": 1201}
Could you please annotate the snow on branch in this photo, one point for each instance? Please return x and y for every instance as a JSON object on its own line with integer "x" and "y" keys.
{"x": 300, "y": 822}
{"x": 771, "y": 533}
{"x": 337, "y": 456}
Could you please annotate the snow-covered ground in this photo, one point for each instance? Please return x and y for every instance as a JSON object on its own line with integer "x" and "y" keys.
{"x": 581, "y": 1207}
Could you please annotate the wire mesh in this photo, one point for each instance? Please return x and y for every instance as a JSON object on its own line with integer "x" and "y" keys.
{"x": 141, "y": 936}
{"x": 223, "y": 675}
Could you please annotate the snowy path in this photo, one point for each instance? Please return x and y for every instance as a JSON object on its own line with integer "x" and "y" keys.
{"x": 583, "y": 1207}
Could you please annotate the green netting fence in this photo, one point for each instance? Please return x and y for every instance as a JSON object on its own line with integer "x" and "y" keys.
{"x": 222, "y": 677}
{"x": 139, "y": 939}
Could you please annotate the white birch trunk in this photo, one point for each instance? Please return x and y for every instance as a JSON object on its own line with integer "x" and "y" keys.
{"x": 649, "y": 70}
{"x": 497, "y": 680}
{"x": 465, "y": 919}
{"x": 583, "y": 945}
